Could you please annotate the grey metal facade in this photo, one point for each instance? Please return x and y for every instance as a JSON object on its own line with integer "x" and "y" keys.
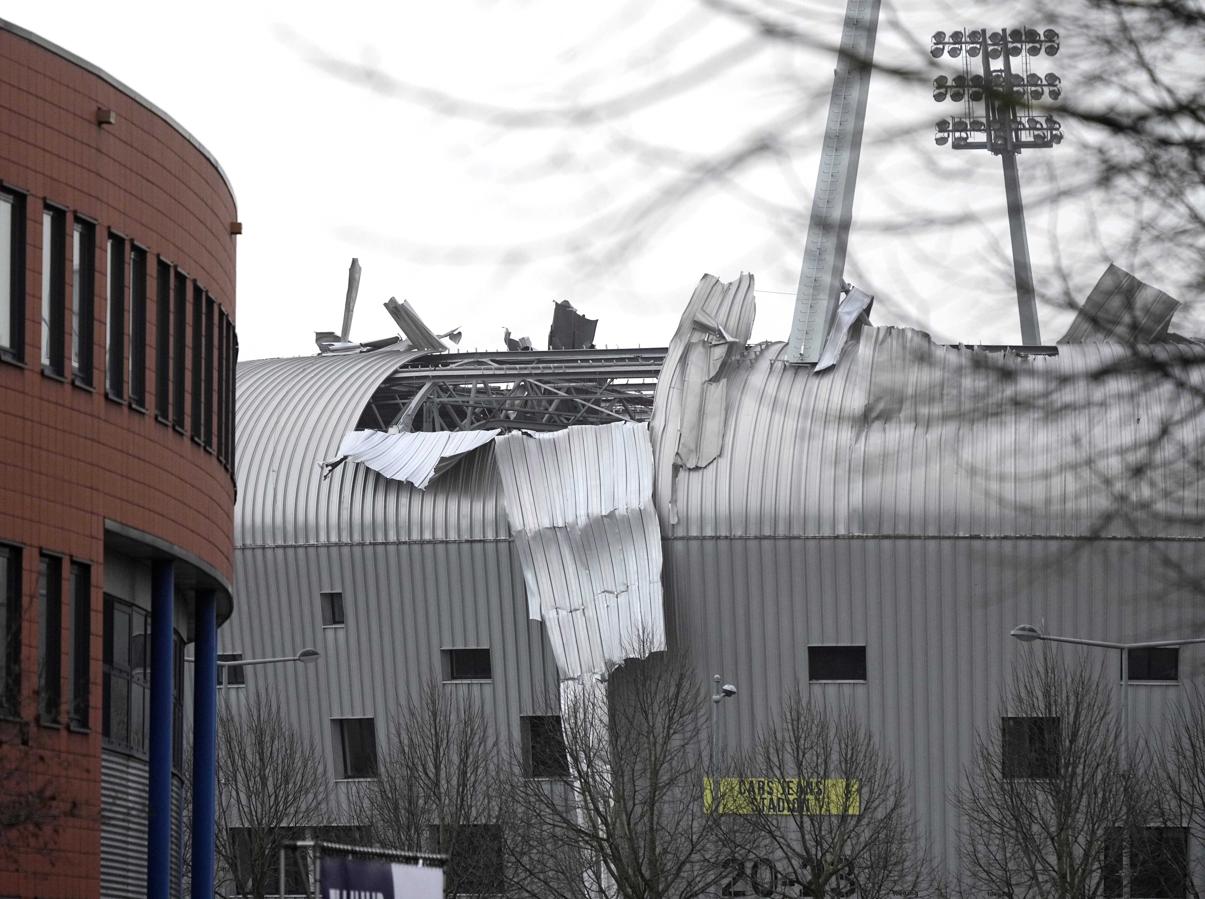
{"x": 919, "y": 499}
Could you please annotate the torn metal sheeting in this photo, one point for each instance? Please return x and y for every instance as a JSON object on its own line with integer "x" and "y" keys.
{"x": 349, "y": 302}
{"x": 570, "y": 329}
{"x": 420, "y": 336}
{"x": 853, "y": 312}
{"x": 516, "y": 344}
{"x": 1122, "y": 309}
{"x": 415, "y": 458}
{"x": 579, "y": 503}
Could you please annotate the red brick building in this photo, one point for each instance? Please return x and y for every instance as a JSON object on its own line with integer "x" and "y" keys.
{"x": 117, "y": 353}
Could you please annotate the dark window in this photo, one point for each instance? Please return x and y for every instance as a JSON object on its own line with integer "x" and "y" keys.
{"x": 231, "y": 675}
{"x": 179, "y": 346}
{"x": 124, "y": 683}
{"x": 163, "y": 340}
{"x": 544, "y": 746}
{"x": 198, "y": 362}
{"x": 1030, "y": 747}
{"x": 231, "y": 386}
{"x": 115, "y": 319}
{"x": 50, "y": 642}
{"x": 54, "y": 295}
{"x": 207, "y": 387}
{"x": 12, "y": 274}
{"x": 467, "y": 664}
{"x": 1156, "y": 663}
{"x": 81, "y": 642}
{"x": 138, "y": 327}
{"x": 10, "y": 631}
{"x": 356, "y": 747}
{"x": 828, "y": 663}
{"x": 474, "y": 858}
{"x": 221, "y": 372}
{"x": 1158, "y": 862}
{"x": 177, "y": 701}
{"x": 83, "y": 255}
{"x": 332, "y": 608}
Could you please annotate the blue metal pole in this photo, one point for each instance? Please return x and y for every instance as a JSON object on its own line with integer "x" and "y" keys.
{"x": 159, "y": 806}
{"x": 205, "y": 738}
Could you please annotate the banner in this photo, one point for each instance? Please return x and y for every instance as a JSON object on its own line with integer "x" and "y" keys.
{"x": 789, "y": 796}
{"x": 350, "y": 878}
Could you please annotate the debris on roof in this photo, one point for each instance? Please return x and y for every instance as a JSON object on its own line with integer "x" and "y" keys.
{"x": 1122, "y": 309}
{"x": 349, "y": 303}
{"x": 415, "y": 458}
{"x": 580, "y": 506}
{"x": 417, "y": 333}
{"x": 570, "y": 329}
{"x": 516, "y": 344}
{"x": 852, "y": 314}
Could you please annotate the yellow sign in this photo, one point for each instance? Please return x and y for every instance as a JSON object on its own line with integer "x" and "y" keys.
{"x": 783, "y": 796}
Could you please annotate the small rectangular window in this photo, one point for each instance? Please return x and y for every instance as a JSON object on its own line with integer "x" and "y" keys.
{"x": 83, "y": 255}
{"x": 163, "y": 340}
{"x": 125, "y": 681}
{"x": 50, "y": 642}
{"x": 138, "y": 327}
{"x": 10, "y": 630}
{"x": 836, "y": 663}
{"x": 81, "y": 642}
{"x": 179, "y": 346}
{"x": 1154, "y": 663}
{"x": 12, "y": 274}
{"x": 220, "y": 334}
{"x": 207, "y": 368}
{"x": 474, "y": 858}
{"x": 231, "y": 675}
{"x": 467, "y": 664}
{"x": 355, "y": 747}
{"x": 332, "y": 608}
{"x": 1030, "y": 747}
{"x": 1158, "y": 863}
{"x": 54, "y": 294}
{"x": 115, "y": 319}
{"x": 544, "y": 746}
{"x": 231, "y": 388}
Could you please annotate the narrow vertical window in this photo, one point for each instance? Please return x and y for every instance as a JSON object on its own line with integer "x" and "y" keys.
{"x": 83, "y": 252}
{"x": 115, "y": 319}
{"x": 12, "y": 275}
{"x": 231, "y": 391}
{"x": 54, "y": 295}
{"x": 10, "y": 630}
{"x": 207, "y": 367}
{"x": 198, "y": 360}
{"x": 179, "y": 345}
{"x": 221, "y": 387}
{"x": 163, "y": 340}
{"x": 50, "y": 644}
{"x": 81, "y": 642}
{"x": 138, "y": 327}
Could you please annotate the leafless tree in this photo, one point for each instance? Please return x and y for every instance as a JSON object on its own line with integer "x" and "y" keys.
{"x": 626, "y": 819}
{"x": 439, "y": 788}
{"x": 30, "y": 807}
{"x": 271, "y": 781}
{"x": 1051, "y": 799}
{"x": 1180, "y": 797}
{"x": 827, "y": 810}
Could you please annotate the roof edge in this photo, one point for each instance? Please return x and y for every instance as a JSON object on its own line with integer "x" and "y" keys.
{"x": 96, "y": 70}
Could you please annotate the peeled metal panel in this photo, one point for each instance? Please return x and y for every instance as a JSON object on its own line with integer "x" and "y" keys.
{"x": 1123, "y": 309}
{"x": 124, "y": 788}
{"x": 411, "y": 457}
{"x": 579, "y": 503}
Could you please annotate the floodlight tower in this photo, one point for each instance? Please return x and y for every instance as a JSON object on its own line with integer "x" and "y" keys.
{"x": 998, "y": 114}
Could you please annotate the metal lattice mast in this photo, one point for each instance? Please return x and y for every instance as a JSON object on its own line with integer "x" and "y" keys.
{"x": 821, "y": 277}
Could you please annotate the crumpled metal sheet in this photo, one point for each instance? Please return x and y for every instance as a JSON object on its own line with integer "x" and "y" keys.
{"x": 1122, "y": 309}
{"x": 412, "y": 457}
{"x": 853, "y": 311}
{"x": 579, "y": 503}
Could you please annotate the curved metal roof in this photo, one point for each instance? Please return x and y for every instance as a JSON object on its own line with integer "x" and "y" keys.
{"x": 291, "y": 416}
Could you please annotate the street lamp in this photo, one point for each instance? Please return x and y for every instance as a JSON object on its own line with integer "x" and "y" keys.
{"x": 998, "y": 114}
{"x": 1027, "y": 633}
{"x": 721, "y": 692}
{"x": 306, "y": 656}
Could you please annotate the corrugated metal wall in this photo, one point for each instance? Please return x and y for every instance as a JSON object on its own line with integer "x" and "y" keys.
{"x": 124, "y": 788}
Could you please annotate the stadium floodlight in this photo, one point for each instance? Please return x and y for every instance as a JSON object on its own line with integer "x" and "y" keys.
{"x": 999, "y": 115}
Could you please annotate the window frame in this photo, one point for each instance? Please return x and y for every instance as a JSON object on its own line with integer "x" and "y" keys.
{"x": 179, "y": 347}
{"x": 1111, "y": 874}
{"x": 80, "y": 698}
{"x": 332, "y": 595}
{"x": 134, "y": 680}
{"x": 231, "y": 676}
{"x": 451, "y": 669}
{"x": 488, "y": 883}
{"x": 50, "y": 639}
{"x": 343, "y": 750}
{"x": 116, "y": 310}
{"x": 163, "y": 340}
{"x": 208, "y": 374}
{"x": 14, "y": 350}
{"x": 139, "y": 271}
{"x": 1146, "y": 664}
{"x": 54, "y": 291}
{"x": 815, "y": 656}
{"x": 197, "y": 371}
{"x": 83, "y": 300}
{"x": 546, "y": 770}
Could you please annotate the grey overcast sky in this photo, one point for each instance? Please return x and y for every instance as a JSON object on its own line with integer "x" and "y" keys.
{"x": 325, "y": 168}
